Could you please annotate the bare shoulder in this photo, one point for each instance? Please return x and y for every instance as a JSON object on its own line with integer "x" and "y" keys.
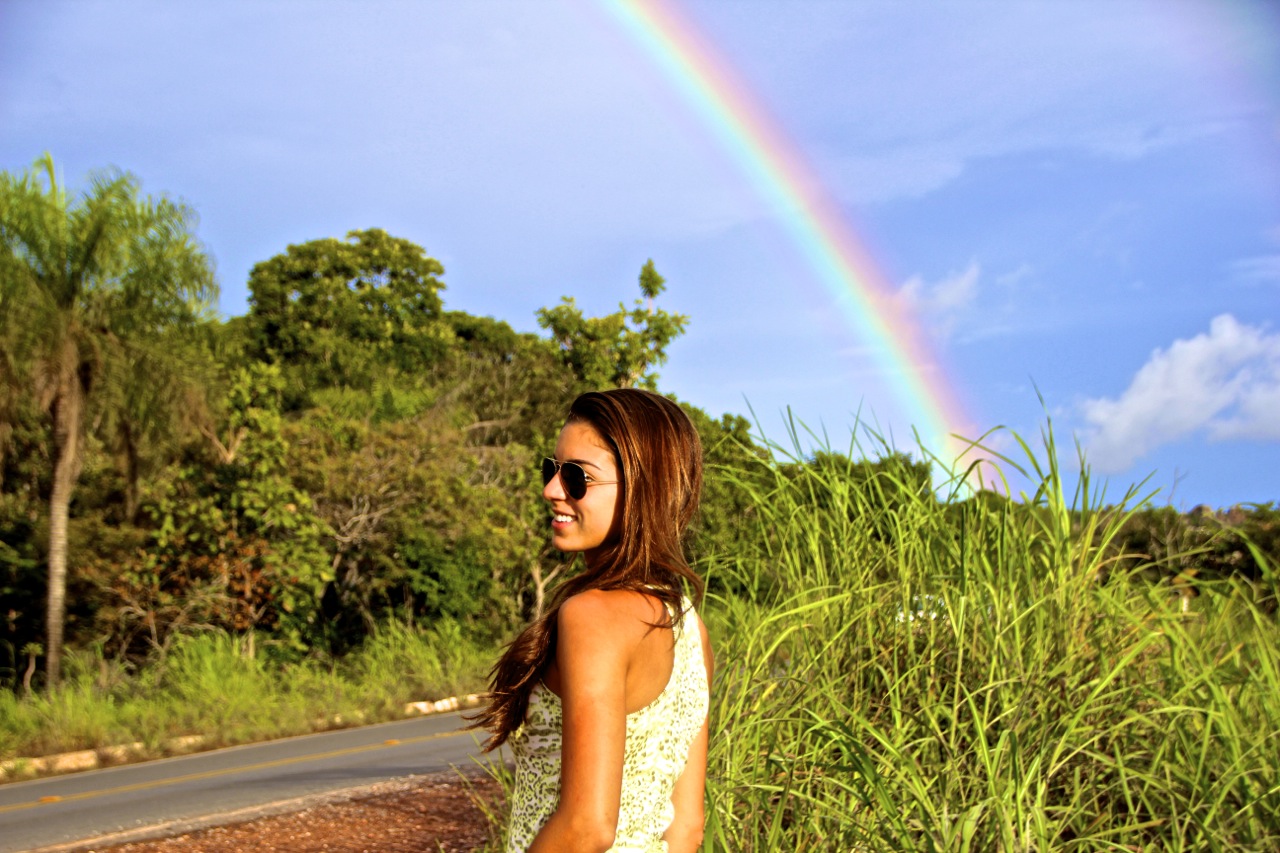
{"x": 612, "y": 610}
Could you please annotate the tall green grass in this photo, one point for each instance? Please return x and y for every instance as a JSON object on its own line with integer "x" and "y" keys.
{"x": 903, "y": 672}
{"x": 208, "y": 685}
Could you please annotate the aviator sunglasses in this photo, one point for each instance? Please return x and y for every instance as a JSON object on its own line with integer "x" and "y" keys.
{"x": 571, "y": 474}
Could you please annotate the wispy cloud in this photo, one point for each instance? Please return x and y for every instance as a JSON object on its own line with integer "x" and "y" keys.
{"x": 1261, "y": 269}
{"x": 1066, "y": 78}
{"x": 942, "y": 303}
{"x": 1223, "y": 384}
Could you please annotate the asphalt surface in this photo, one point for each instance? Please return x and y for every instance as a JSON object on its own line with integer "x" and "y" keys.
{"x": 176, "y": 794}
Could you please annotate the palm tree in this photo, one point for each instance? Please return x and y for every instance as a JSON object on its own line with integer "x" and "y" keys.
{"x": 86, "y": 285}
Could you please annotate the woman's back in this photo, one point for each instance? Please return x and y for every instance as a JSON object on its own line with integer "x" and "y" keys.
{"x": 667, "y": 698}
{"x": 633, "y": 615}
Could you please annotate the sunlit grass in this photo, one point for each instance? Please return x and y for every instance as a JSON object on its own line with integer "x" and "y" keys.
{"x": 207, "y": 685}
{"x": 971, "y": 674}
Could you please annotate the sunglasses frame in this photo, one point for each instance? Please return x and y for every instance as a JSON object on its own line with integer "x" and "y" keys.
{"x": 573, "y": 487}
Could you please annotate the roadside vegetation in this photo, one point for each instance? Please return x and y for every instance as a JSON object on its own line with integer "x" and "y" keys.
{"x": 983, "y": 674}
{"x": 312, "y": 514}
{"x": 207, "y": 685}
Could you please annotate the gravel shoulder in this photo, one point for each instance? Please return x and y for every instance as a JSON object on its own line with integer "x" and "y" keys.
{"x": 439, "y": 812}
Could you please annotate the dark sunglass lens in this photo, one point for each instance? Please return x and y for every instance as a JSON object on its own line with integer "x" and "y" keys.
{"x": 571, "y": 475}
{"x": 574, "y": 479}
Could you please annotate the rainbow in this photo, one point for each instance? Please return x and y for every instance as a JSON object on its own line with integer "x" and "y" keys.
{"x": 778, "y": 171}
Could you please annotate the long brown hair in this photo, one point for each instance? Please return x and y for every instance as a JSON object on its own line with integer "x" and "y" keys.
{"x": 659, "y": 459}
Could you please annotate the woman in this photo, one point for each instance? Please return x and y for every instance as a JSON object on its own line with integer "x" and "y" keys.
{"x": 604, "y": 698}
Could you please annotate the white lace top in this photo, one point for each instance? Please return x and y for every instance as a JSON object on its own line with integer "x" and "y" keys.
{"x": 657, "y": 748}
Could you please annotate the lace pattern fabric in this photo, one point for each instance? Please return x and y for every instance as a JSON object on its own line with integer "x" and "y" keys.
{"x": 656, "y": 751}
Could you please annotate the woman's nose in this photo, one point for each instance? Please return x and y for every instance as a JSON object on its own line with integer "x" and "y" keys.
{"x": 554, "y": 489}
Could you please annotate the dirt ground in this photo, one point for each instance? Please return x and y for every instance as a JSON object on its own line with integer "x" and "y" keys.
{"x": 440, "y": 813}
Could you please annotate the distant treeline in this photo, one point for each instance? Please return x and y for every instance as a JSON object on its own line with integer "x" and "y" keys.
{"x": 346, "y": 453}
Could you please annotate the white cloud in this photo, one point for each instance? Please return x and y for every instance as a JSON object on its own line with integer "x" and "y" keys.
{"x": 1257, "y": 413}
{"x": 1224, "y": 384}
{"x": 942, "y": 303}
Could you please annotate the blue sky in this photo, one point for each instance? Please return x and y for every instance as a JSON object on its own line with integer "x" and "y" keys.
{"x": 1076, "y": 197}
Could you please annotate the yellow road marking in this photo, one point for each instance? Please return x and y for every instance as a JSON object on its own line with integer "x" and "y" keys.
{"x": 210, "y": 774}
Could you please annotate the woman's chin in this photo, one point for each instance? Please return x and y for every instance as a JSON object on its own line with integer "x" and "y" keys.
{"x": 563, "y": 541}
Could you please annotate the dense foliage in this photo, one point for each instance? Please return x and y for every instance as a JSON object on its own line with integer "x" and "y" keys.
{"x": 347, "y": 453}
{"x": 983, "y": 674}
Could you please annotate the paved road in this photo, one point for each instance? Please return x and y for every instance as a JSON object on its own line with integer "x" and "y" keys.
{"x": 55, "y": 812}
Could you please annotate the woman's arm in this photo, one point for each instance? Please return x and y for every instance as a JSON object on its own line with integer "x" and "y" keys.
{"x": 685, "y": 833}
{"x": 592, "y": 653}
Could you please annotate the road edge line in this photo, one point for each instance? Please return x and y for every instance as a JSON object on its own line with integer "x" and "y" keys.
{"x": 24, "y": 769}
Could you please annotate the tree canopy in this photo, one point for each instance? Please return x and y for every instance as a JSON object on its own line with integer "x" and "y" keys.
{"x": 617, "y": 350}
{"x": 344, "y": 307}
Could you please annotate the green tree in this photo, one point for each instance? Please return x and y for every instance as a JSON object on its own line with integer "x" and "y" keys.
{"x": 87, "y": 283}
{"x": 235, "y": 531}
{"x": 336, "y": 311}
{"x": 156, "y": 397}
{"x": 422, "y": 522}
{"x": 620, "y": 349}
{"x": 513, "y": 386}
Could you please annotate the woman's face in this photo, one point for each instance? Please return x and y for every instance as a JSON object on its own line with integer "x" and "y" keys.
{"x": 587, "y": 523}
